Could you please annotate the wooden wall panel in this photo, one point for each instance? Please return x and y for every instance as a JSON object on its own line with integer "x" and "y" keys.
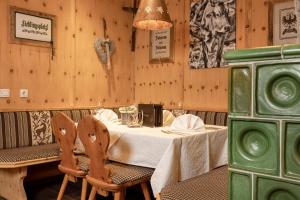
{"x": 75, "y": 77}
{"x": 204, "y": 89}
{"x": 31, "y": 67}
{"x": 94, "y": 84}
{"x": 259, "y": 19}
{"x": 196, "y": 89}
{"x": 161, "y": 83}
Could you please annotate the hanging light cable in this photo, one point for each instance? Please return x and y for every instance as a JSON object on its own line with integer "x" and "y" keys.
{"x": 152, "y": 15}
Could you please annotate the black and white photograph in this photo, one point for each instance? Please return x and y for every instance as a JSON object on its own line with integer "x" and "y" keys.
{"x": 212, "y": 32}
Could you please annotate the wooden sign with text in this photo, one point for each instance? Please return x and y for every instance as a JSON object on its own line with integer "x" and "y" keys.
{"x": 32, "y": 27}
{"x": 161, "y": 46}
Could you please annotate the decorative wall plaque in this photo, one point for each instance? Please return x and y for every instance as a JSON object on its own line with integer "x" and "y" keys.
{"x": 161, "y": 45}
{"x": 31, "y": 27}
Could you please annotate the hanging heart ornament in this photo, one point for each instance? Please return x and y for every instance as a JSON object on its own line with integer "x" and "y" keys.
{"x": 100, "y": 47}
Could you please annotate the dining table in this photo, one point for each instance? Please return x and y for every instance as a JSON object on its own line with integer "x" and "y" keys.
{"x": 174, "y": 156}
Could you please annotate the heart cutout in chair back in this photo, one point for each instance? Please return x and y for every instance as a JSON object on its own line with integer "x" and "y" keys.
{"x": 92, "y": 137}
{"x": 63, "y": 131}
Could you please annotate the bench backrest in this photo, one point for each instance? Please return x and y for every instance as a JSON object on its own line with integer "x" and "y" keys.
{"x": 30, "y": 128}
{"x": 211, "y": 118}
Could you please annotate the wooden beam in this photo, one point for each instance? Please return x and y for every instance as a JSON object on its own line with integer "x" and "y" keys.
{"x": 132, "y": 10}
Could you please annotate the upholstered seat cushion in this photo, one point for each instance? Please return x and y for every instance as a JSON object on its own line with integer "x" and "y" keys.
{"x": 119, "y": 173}
{"x": 209, "y": 186}
{"x": 25, "y": 154}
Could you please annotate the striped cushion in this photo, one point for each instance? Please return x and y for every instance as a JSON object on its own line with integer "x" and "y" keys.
{"x": 211, "y": 118}
{"x": 15, "y": 129}
{"x": 75, "y": 115}
{"x": 210, "y": 186}
{"x": 31, "y": 128}
{"x": 16, "y": 155}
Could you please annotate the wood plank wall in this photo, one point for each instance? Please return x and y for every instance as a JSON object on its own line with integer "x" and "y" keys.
{"x": 161, "y": 83}
{"x": 75, "y": 77}
{"x": 175, "y": 85}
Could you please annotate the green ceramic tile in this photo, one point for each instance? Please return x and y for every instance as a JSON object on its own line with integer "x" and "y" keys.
{"x": 278, "y": 89}
{"x": 254, "y": 54}
{"x": 292, "y": 149}
{"x": 263, "y": 53}
{"x": 254, "y": 145}
{"x": 240, "y": 186}
{"x": 240, "y": 90}
{"x": 291, "y": 51}
{"x": 268, "y": 189}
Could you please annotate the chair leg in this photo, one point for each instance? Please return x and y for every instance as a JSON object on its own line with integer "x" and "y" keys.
{"x": 83, "y": 189}
{"x": 145, "y": 191}
{"x": 63, "y": 187}
{"x": 93, "y": 193}
{"x": 158, "y": 197}
{"x": 120, "y": 195}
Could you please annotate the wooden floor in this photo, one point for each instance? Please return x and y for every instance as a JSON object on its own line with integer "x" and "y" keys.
{"x": 48, "y": 190}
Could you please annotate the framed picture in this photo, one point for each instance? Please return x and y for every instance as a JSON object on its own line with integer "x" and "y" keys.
{"x": 31, "y": 27}
{"x": 212, "y": 32}
{"x": 161, "y": 46}
{"x": 283, "y": 23}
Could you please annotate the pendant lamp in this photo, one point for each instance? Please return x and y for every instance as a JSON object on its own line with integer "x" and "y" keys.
{"x": 152, "y": 15}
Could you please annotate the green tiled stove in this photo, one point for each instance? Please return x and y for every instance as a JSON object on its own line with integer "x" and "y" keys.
{"x": 264, "y": 123}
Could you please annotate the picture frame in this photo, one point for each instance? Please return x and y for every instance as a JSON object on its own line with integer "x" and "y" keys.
{"x": 282, "y": 23}
{"x": 212, "y": 32}
{"x": 33, "y": 28}
{"x": 162, "y": 46}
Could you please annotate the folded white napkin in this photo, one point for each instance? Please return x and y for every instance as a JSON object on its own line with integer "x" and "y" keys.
{"x": 187, "y": 123}
{"x": 168, "y": 118}
{"x": 106, "y": 115}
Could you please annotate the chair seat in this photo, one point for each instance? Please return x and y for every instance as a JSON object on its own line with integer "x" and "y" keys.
{"x": 122, "y": 173}
{"x": 119, "y": 173}
{"x": 209, "y": 186}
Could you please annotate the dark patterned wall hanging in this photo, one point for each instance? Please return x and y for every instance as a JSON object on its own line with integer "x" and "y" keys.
{"x": 212, "y": 32}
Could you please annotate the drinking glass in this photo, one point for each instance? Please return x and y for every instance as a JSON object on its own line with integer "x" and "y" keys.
{"x": 135, "y": 119}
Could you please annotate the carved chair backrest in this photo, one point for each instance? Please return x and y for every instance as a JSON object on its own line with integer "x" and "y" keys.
{"x": 95, "y": 138}
{"x": 65, "y": 132}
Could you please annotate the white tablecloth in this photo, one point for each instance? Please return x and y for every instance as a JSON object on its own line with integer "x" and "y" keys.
{"x": 174, "y": 157}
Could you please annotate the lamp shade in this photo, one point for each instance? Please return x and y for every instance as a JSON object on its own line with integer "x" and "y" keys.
{"x": 152, "y": 15}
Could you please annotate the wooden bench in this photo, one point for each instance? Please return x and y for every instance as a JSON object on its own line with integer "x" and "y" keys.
{"x": 26, "y": 140}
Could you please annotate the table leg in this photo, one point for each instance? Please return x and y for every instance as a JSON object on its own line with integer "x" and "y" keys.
{"x": 11, "y": 183}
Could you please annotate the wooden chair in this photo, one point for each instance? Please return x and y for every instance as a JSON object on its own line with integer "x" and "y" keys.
{"x": 74, "y": 167}
{"x": 107, "y": 176}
